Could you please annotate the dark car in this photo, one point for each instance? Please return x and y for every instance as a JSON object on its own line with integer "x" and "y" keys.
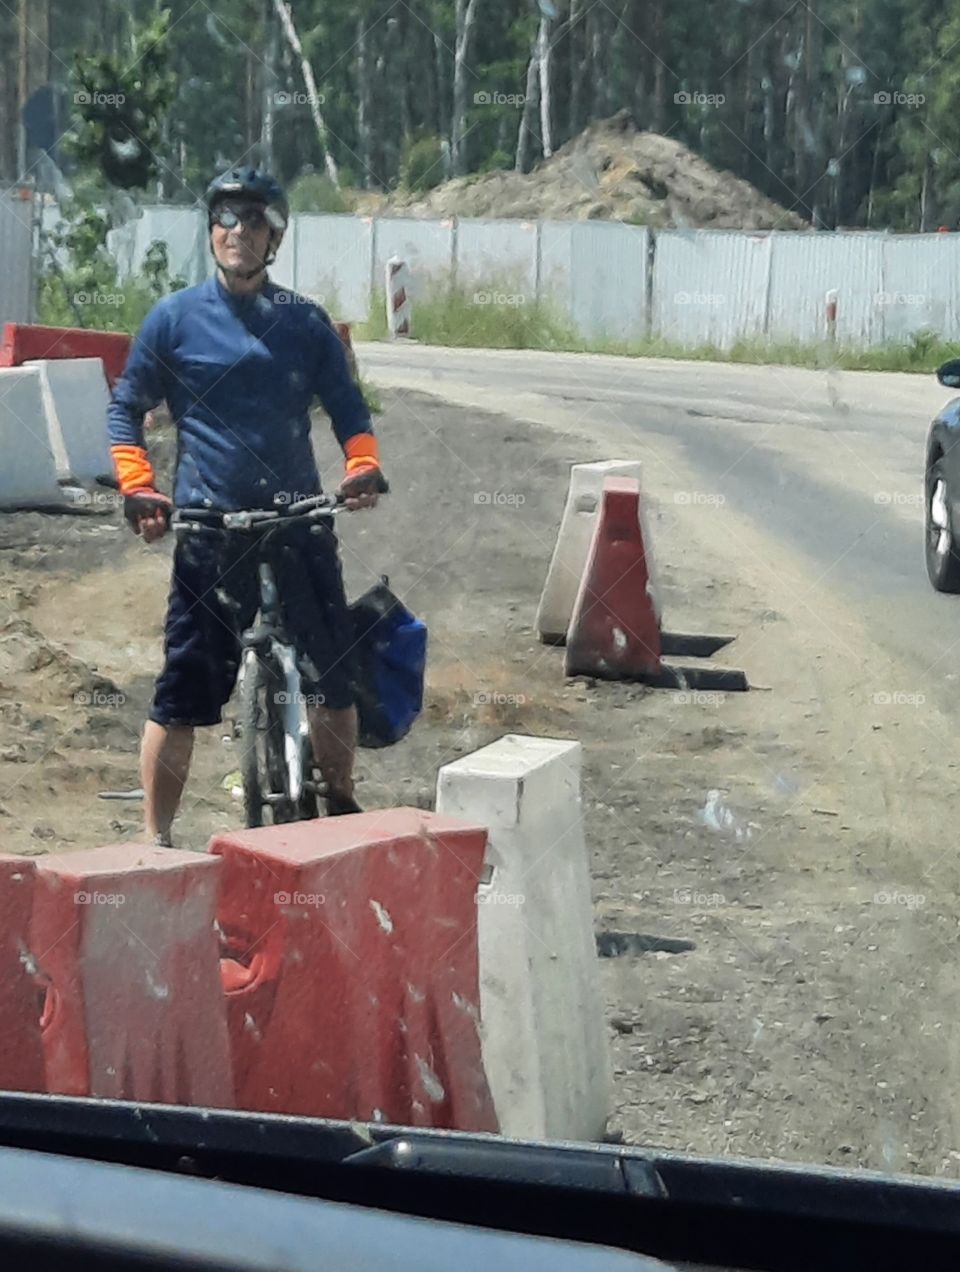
{"x": 942, "y": 488}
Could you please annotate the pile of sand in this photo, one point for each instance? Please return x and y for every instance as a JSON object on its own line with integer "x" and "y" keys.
{"x": 612, "y": 170}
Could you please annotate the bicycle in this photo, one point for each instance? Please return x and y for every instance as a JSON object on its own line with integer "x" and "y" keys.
{"x": 278, "y": 768}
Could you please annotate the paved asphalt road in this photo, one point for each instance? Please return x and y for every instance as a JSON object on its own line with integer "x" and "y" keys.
{"x": 821, "y": 471}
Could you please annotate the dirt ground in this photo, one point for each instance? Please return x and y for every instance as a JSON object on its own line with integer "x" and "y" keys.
{"x": 611, "y": 170}
{"x": 779, "y": 981}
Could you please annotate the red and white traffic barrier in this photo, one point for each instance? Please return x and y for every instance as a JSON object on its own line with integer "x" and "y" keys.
{"x": 541, "y": 1002}
{"x": 572, "y": 548}
{"x": 398, "y": 297}
{"x": 831, "y": 314}
{"x": 23, "y": 342}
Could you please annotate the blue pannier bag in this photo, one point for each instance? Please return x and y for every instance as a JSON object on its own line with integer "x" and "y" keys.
{"x": 389, "y": 665}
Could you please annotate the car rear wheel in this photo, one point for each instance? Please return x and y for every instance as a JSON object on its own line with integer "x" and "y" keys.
{"x": 943, "y": 556}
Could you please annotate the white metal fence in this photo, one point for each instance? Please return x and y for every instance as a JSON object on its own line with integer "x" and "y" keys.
{"x": 612, "y": 281}
{"x": 16, "y": 258}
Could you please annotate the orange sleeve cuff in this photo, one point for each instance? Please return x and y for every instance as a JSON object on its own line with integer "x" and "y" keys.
{"x": 134, "y": 471}
{"x": 361, "y": 451}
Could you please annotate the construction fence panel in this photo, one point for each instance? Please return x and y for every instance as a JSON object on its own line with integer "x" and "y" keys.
{"x": 426, "y": 246}
{"x": 16, "y": 258}
{"x": 696, "y": 287}
{"x": 556, "y": 255}
{"x": 608, "y": 280}
{"x": 334, "y": 260}
{"x": 920, "y": 286}
{"x": 710, "y": 286}
{"x": 497, "y": 257}
{"x": 804, "y": 267}
{"x": 182, "y": 229}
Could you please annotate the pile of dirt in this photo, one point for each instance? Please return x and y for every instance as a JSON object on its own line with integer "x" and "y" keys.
{"x": 27, "y": 657}
{"x": 612, "y": 170}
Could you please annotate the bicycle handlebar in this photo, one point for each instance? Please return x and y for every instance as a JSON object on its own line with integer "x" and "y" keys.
{"x": 314, "y": 508}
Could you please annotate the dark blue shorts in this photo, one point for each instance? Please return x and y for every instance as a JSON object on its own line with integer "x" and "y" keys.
{"x": 214, "y": 596}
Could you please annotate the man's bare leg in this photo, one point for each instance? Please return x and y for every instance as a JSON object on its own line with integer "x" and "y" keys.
{"x": 334, "y": 737}
{"x": 164, "y": 764}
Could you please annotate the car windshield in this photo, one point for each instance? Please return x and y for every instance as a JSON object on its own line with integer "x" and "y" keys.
{"x": 587, "y": 776}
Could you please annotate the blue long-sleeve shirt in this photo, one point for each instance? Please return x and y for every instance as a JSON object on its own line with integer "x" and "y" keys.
{"x": 239, "y": 375}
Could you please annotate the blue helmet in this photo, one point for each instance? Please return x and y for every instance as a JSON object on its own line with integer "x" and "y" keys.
{"x": 251, "y": 183}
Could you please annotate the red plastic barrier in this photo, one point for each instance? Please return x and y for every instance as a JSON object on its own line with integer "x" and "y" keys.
{"x": 21, "y": 1055}
{"x": 23, "y": 343}
{"x": 614, "y": 630}
{"x": 134, "y": 1010}
{"x": 351, "y": 976}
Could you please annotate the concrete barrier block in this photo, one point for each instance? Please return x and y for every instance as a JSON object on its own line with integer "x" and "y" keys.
{"x": 542, "y": 1019}
{"x": 75, "y": 400}
{"x": 573, "y": 544}
{"x": 28, "y": 474}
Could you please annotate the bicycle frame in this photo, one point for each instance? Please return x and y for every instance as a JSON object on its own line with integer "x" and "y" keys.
{"x": 268, "y": 630}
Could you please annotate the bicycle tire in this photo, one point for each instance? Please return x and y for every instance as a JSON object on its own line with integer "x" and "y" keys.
{"x": 281, "y": 811}
{"x": 251, "y": 724}
{"x": 262, "y": 767}
{"x": 307, "y": 806}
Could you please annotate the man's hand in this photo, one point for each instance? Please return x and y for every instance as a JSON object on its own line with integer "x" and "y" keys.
{"x": 147, "y": 513}
{"x": 363, "y": 487}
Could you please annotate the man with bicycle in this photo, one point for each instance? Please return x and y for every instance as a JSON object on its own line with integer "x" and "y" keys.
{"x": 239, "y": 362}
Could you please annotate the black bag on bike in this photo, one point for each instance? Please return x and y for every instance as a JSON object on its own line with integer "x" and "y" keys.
{"x": 389, "y": 665}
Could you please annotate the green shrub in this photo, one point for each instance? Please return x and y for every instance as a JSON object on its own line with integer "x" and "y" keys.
{"x": 421, "y": 164}
{"x": 496, "y": 162}
{"x": 315, "y": 192}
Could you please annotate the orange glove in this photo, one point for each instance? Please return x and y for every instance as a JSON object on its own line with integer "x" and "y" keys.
{"x": 147, "y": 511}
{"x": 364, "y": 482}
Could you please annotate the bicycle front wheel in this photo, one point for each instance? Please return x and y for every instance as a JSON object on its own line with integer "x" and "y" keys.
{"x": 261, "y": 738}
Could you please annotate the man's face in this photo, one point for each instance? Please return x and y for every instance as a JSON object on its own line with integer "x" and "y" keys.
{"x": 241, "y": 243}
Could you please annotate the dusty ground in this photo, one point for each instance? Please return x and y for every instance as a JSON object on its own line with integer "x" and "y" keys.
{"x": 611, "y": 170}
{"x": 787, "y": 983}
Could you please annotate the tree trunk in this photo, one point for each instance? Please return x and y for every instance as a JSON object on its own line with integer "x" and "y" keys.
{"x": 530, "y": 103}
{"x": 543, "y": 60}
{"x": 442, "y": 116}
{"x": 33, "y": 28}
{"x": 282, "y": 8}
{"x": 269, "y": 94}
{"x": 407, "y": 68}
{"x": 466, "y": 13}
{"x": 576, "y": 68}
{"x": 768, "y": 89}
{"x": 596, "y": 59}
{"x": 658, "y": 114}
{"x": 363, "y": 103}
{"x": 23, "y": 68}
{"x": 251, "y": 112}
{"x": 873, "y": 180}
{"x": 927, "y": 218}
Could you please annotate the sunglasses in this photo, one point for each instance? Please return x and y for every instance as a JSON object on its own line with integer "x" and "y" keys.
{"x": 230, "y": 215}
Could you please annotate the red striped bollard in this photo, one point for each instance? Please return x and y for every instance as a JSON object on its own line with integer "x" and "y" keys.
{"x": 398, "y": 298}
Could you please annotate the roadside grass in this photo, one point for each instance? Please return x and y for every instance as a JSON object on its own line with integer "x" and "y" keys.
{"x": 498, "y": 317}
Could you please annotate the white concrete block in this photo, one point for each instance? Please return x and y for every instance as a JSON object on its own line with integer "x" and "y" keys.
{"x": 75, "y": 398}
{"x": 28, "y": 474}
{"x": 542, "y": 1017}
{"x": 573, "y": 544}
